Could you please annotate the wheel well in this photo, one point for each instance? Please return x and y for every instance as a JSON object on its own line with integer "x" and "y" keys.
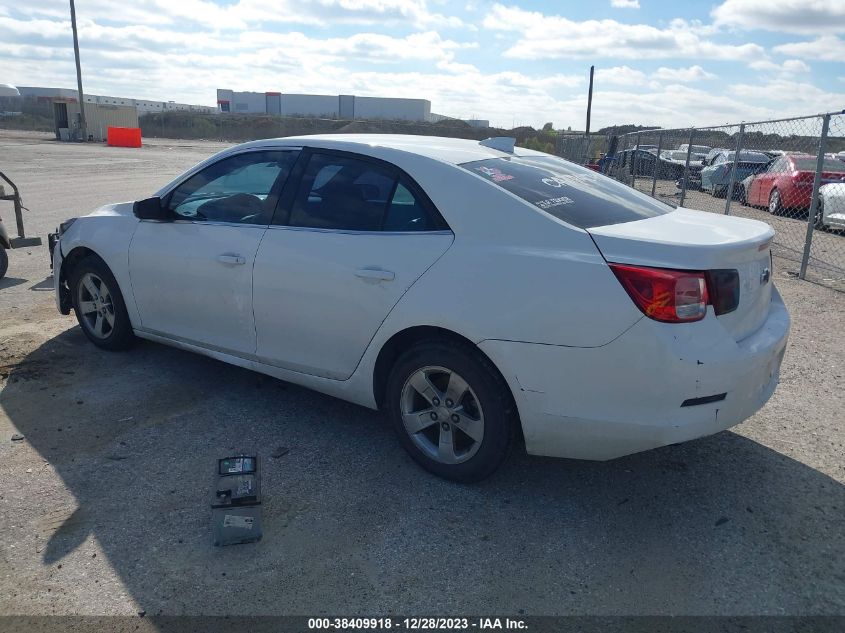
{"x": 401, "y": 341}
{"x": 74, "y": 257}
{"x": 69, "y": 262}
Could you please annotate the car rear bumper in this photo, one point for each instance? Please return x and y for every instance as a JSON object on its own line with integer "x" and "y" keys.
{"x": 626, "y": 396}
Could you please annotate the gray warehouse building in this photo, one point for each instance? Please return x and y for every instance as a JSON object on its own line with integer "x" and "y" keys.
{"x": 328, "y": 106}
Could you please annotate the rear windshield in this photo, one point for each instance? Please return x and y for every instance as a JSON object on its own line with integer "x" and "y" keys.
{"x": 809, "y": 164}
{"x": 569, "y": 192}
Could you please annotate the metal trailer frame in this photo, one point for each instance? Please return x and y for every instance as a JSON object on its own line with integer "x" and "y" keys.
{"x": 21, "y": 241}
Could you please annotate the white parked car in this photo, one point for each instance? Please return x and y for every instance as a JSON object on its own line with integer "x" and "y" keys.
{"x": 831, "y": 213}
{"x": 472, "y": 289}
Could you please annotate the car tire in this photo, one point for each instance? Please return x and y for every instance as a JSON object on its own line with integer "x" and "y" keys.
{"x": 4, "y": 262}
{"x": 719, "y": 192}
{"x": 743, "y": 197}
{"x": 775, "y": 204}
{"x": 99, "y": 306}
{"x": 463, "y": 438}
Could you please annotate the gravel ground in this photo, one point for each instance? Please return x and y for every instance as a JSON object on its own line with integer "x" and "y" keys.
{"x": 104, "y": 503}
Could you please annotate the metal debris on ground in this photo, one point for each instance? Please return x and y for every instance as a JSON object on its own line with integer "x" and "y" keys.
{"x": 236, "y": 504}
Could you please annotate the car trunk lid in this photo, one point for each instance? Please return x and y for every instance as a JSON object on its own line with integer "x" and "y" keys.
{"x": 693, "y": 240}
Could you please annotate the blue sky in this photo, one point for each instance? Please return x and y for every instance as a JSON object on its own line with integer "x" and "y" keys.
{"x": 658, "y": 63}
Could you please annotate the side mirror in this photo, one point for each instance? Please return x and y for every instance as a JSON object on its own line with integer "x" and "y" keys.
{"x": 151, "y": 209}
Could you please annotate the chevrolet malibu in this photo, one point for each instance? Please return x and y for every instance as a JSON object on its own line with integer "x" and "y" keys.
{"x": 475, "y": 291}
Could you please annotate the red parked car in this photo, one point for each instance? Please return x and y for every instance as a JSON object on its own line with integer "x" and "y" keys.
{"x": 787, "y": 182}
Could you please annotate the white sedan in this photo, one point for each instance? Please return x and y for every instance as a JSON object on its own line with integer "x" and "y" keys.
{"x": 473, "y": 290}
{"x": 831, "y": 213}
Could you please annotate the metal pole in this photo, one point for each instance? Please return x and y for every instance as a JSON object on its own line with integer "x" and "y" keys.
{"x": 656, "y": 164}
{"x": 729, "y": 193}
{"x": 634, "y": 154}
{"x": 590, "y": 100}
{"x": 82, "y": 122}
{"x": 814, "y": 201}
{"x": 686, "y": 170}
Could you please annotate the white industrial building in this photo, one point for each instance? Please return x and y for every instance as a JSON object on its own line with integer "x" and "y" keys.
{"x": 328, "y": 106}
{"x": 144, "y": 106}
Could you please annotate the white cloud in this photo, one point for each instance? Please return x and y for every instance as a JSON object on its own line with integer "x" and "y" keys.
{"x": 620, "y": 75}
{"x": 791, "y": 16}
{"x": 555, "y": 37}
{"x": 788, "y": 67}
{"x": 156, "y": 49}
{"x": 318, "y": 13}
{"x": 625, "y": 4}
{"x": 827, "y": 48}
{"x": 683, "y": 75}
{"x": 793, "y": 97}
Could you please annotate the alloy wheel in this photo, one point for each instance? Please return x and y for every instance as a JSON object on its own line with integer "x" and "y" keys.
{"x": 442, "y": 415}
{"x": 774, "y": 202}
{"x": 96, "y": 307}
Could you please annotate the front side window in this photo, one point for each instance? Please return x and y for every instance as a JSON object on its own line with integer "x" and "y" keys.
{"x": 236, "y": 189}
{"x": 569, "y": 192}
{"x": 345, "y": 193}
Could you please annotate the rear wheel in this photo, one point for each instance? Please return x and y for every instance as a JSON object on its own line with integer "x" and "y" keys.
{"x": 743, "y": 196}
{"x": 99, "y": 306}
{"x": 451, "y": 410}
{"x": 775, "y": 204}
{"x": 719, "y": 192}
{"x": 4, "y": 262}
{"x": 819, "y": 219}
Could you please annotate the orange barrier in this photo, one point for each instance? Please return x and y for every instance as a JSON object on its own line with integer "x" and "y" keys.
{"x": 124, "y": 136}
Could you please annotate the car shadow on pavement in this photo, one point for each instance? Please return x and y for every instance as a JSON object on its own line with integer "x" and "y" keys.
{"x": 353, "y": 526}
{"x": 11, "y": 282}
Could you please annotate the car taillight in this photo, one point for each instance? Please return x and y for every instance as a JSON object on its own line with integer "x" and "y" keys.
{"x": 723, "y": 290}
{"x": 671, "y": 296}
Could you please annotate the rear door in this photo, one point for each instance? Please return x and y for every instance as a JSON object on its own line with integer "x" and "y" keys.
{"x": 351, "y": 236}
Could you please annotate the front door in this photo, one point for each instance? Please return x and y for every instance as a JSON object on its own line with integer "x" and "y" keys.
{"x": 192, "y": 277}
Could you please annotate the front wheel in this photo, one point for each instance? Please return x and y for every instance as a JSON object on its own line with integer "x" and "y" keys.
{"x": 4, "y": 262}
{"x": 451, "y": 410}
{"x": 99, "y": 306}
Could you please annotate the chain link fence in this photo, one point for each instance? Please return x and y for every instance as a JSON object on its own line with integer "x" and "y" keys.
{"x": 789, "y": 173}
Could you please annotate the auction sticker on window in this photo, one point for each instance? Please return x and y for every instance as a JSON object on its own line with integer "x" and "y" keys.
{"x": 495, "y": 174}
{"x": 548, "y": 203}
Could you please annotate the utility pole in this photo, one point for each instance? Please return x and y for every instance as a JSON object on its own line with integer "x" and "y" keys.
{"x": 83, "y": 125}
{"x": 590, "y": 100}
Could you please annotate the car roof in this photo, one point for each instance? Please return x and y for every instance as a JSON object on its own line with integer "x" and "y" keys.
{"x": 450, "y": 150}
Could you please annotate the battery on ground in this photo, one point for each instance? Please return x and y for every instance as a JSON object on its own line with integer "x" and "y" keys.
{"x": 236, "y": 501}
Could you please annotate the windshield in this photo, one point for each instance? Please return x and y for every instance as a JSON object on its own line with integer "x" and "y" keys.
{"x": 569, "y": 192}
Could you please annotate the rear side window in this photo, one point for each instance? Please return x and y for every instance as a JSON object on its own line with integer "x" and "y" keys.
{"x": 569, "y": 192}
{"x": 345, "y": 193}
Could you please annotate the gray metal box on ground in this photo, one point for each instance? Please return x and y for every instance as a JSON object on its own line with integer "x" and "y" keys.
{"x": 236, "y": 503}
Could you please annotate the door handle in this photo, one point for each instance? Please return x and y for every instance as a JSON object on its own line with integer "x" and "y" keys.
{"x": 231, "y": 259}
{"x": 375, "y": 274}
